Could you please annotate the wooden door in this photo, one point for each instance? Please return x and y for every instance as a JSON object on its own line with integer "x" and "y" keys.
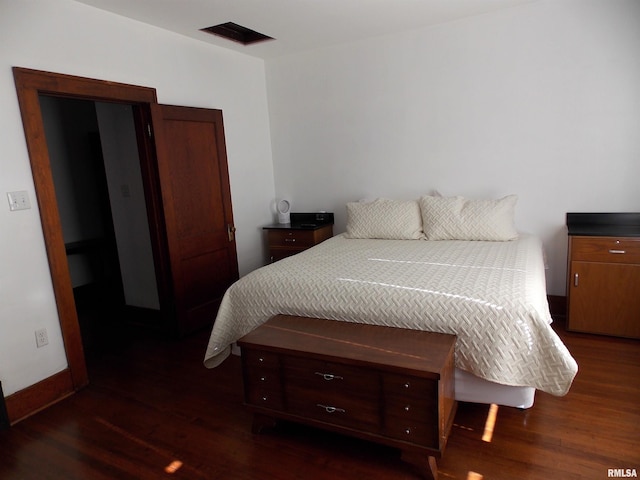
{"x": 196, "y": 197}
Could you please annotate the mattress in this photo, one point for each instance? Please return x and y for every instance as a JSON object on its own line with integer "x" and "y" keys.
{"x": 492, "y": 295}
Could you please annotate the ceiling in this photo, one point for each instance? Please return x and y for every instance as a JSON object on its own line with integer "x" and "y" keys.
{"x": 298, "y": 25}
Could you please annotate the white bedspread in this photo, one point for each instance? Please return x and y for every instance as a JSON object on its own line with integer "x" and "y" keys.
{"x": 492, "y": 295}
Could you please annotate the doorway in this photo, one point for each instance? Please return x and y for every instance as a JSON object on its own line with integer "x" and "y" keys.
{"x": 183, "y": 163}
{"x": 97, "y": 177}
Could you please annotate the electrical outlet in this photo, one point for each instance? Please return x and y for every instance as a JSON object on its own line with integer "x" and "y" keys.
{"x": 42, "y": 338}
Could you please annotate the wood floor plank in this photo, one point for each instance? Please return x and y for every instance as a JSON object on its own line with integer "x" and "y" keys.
{"x": 152, "y": 405}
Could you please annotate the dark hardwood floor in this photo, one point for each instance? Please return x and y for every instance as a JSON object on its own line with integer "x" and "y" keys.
{"x": 153, "y": 411}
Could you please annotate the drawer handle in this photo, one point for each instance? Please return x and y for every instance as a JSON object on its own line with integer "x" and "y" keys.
{"x": 619, "y": 252}
{"x": 407, "y": 431}
{"x": 289, "y": 239}
{"x": 330, "y": 409}
{"x": 329, "y": 376}
{"x": 575, "y": 280}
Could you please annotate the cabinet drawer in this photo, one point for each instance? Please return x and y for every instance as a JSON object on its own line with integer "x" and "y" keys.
{"x": 606, "y": 249}
{"x": 291, "y": 238}
{"x": 332, "y": 393}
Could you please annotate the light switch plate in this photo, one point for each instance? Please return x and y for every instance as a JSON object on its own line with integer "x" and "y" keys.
{"x": 18, "y": 200}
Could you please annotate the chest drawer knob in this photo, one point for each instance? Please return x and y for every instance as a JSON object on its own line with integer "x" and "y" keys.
{"x": 407, "y": 431}
{"x": 407, "y": 408}
{"x": 407, "y": 385}
{"x": 263, "y": 378}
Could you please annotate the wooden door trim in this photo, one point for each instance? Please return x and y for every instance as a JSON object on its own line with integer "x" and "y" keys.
{"x": 29, "y": 85}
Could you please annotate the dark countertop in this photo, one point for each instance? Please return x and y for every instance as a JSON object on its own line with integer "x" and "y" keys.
{"x": 604, "y": 224}
{"x": 304, "y": 221}
{"x": 295, "y": 226}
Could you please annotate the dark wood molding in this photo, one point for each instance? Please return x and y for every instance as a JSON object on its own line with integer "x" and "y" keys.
{"x": 32, "y": 399}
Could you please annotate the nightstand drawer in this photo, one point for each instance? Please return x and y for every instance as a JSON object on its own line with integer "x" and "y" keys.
{"x": 605, "y": 249}
{"x": 291, "y": 238}
{"x": 286, "y": 241}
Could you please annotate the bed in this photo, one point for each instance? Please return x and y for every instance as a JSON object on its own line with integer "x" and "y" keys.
{"x": 490, "y": 294}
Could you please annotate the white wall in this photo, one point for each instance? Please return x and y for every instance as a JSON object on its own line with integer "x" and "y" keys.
{"x": 541, "y": 100}
{"x": 67, "y": 37}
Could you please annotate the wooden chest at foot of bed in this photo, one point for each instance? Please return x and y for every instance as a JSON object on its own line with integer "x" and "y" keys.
{"x": 388, "y": 385}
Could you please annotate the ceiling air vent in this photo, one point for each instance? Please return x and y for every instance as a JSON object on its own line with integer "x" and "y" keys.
{"x": 237, "y": 33}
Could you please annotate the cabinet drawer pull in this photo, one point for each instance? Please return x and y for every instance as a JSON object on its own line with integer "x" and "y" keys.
{"x": 575, "y": 280}
{"x": 329, "y": 376}
{"x": 289, "y": 239}
{"x": 619, "y": 252}
{"x": 330, "y": 409}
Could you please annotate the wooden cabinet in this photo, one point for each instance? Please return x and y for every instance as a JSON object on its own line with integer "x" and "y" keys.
{"x": 603, "y": 282}
{"x": 604, "y": 285}
{"x": 286, "y": 241}
{"x": 388, "y": 385}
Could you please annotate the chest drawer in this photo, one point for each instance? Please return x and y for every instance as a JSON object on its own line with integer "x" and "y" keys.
{"x": 332, "y": 392}
{"x": 411, "y": 409}
{"x": 263, "y": 385}
{"x": 605, "y": 249}
{"x": 291, "y": 238}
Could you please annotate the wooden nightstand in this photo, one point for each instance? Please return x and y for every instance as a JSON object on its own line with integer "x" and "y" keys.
{"x": 603, "y": 274}
{"x": 304, "y": 231}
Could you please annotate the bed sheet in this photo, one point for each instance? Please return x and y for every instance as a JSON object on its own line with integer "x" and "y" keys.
{"x": 492, "y": 295}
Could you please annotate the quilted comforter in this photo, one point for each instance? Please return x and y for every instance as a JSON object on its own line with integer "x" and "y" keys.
{"x": 492, "y": 295}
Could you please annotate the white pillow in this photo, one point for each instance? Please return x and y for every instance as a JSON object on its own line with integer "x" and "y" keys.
{"x": 385, "y": 219}
{"x": 456, "y": 218}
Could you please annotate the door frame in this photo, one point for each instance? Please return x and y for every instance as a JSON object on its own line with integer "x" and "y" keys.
{"x": 30, "y": 84}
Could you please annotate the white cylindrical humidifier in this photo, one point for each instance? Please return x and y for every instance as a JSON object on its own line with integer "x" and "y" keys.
{"x": 284, "y": 209}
